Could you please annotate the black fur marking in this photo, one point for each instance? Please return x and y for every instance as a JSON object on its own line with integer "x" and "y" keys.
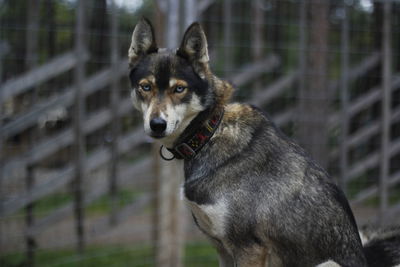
{"x": 139, "y": 96}
{"x": 153, "y": 48}
{"x": 163, "y": 73}
{"x": 196, "y": 193}
{"x": 187, "y": 97}
{"x": 144, "y": 33}
{"x": 193, "y": 42}
{"x": 166, "y": 65}
{"x": 195, "y": 83}
{"x": 383, "y": 253}
{"x": 140, "y": 71}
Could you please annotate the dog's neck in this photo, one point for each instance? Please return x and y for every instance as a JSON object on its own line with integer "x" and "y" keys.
{"x": 197, "y": 134}
{"x": 170, "y": 140}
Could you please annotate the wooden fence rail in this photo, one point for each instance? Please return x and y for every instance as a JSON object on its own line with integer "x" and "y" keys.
{"x": 91, "y": 85}
{"x": 254, "y": 70}
{"x": 373, "y": 190}
{"x": 40, "y": 74}
{"x": 363, "y": 102}
{"x": 366, "y": 132}
{"x": 372, "y": 160}
{"x": 359, "y": 70}
{"x": 61, "y": 140}
{"x": 95, "y": 160}
{"x": 272, "y": 91}
{"x": 133, "y": 173}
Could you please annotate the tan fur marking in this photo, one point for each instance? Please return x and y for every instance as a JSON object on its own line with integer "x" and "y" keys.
{"x": 171, "y": 97}
{"x": 176, "y": 82}
{"x": 148, "y": 95}
{"x": 172, "y": 82}
{"x": 148, "y": 80}
{"x": 233, "y": 111}
{"x": 161, "y": 107}
{"x": 176, "y": 98}
{"x": 223, "y": 90}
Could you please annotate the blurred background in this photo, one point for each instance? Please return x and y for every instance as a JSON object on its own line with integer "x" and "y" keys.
{"x": 80, "y": 184}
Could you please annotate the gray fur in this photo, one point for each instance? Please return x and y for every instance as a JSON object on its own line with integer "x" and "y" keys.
{"x": 278, "y": 198}
{"x": 258, "y": 196}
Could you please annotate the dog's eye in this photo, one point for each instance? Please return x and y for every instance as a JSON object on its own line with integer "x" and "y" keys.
{"x": 179, "y": 89}
{"x": 145, "y": 87}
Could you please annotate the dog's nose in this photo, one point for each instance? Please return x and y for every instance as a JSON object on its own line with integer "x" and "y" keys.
{"x": 158, "y": 125}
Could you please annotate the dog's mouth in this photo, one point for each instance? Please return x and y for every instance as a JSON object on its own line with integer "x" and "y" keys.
{"x": 157, "y": 135}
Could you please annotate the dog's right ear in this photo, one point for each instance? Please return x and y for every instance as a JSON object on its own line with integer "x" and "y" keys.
{"x": 143, "y": 41}
{"x": 194, "y": 48}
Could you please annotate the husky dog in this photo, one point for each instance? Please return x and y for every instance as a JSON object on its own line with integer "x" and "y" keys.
{"x": 258, "y": 196}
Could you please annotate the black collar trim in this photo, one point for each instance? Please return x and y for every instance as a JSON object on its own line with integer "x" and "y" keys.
{"x": 190, "y": 146}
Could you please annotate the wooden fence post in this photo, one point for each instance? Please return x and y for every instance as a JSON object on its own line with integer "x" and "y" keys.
{"x": 79, "y": 146}
{"x": 257, "y": 36}
{"x": 169, "y": 246}
{"x": 344, "y": 97}
{"x": 3, "y": 50}
{"x": 386, "y": 105}
{"x": 169, "y": 222}
{"x": 32, "y": 42}
{"x": 302, "y": 62}
{"x": 227, "y": 18}
{"x": 191, "y": 11}
{"x": 29, "y": 219}
{"x": 115, "y": 123}
{"x": 313, "y": 128}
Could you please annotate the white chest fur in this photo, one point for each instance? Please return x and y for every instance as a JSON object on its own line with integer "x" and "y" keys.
{"x": 211, "y": 218}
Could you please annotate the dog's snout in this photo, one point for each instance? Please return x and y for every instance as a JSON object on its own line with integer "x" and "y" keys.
{"x": 158, "y": 125}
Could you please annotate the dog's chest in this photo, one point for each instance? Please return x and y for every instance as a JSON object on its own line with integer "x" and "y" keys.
{"x": 211, "y": 218}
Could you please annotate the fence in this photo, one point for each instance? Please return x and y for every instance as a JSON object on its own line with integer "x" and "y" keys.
{"x": 69, "y": 135}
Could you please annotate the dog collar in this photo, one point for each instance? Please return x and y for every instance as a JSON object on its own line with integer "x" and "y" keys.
{"x": 189, "y": 147}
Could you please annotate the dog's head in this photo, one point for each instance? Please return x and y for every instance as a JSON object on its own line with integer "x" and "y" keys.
{"x": 169, "y": 87}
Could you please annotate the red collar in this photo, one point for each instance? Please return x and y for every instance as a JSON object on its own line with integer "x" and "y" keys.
{"x": 189, "y": 147}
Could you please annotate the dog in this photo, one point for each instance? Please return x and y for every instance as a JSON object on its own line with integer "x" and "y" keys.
{"x": 258, "y": 197}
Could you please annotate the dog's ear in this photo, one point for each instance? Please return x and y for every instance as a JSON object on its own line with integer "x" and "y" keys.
{"x": 194, "y": 48}
{"x": 143, "y": 41}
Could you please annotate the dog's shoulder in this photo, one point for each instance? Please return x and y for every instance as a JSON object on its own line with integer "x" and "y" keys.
{"x": 242, "y": 121}
{"x": 240, "y": 111}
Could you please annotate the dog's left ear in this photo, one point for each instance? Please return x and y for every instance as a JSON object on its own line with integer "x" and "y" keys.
{"x": 194, "y": 48}
{"x": 143, "y": 41}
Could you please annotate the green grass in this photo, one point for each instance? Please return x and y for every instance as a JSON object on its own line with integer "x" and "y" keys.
{"x": 51, "y": 202}
{"x": 200, "y": 255}
{"x": 196, "y": 255}
{"x": 356, "y": 186}
{"x": 101, "y": 206}
{"x": 94, "y": 256}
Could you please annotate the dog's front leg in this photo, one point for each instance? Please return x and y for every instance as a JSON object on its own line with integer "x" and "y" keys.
{"x": 256, "y": 257}
{"x": 224, "y": 258}
{"x": 328, "y": 264}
